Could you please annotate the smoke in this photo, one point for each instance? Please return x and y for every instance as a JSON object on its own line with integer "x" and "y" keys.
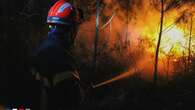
{"x": 133, "y": 31}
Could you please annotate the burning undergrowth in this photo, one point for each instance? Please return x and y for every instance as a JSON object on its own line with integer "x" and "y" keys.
{"x": 129, "y": 33}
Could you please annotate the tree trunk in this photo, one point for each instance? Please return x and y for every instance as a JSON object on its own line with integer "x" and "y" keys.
{"x": 189, "y": 48}
{"x": 158, "y": 44}
{"x": 96, "y": 35}
{"x": 127, "y": 23}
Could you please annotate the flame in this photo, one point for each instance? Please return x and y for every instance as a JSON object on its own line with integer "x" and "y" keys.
{"x": 143, "y": 31}
{"x": 173, "y": 41}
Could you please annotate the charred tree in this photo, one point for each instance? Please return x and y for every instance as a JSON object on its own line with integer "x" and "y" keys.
{"x": 96, "y": 35}
{"x": 158, "y": 44}
{"x": 189, "y": 47}
{"x": 127, "y": 23}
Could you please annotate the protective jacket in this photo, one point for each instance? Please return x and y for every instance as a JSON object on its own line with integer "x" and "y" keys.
{"x": 53, "y": 58}
{"x": 56, "y": 69}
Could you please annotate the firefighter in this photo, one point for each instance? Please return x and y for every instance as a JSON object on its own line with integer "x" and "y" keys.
{"x": 53, "y": 63}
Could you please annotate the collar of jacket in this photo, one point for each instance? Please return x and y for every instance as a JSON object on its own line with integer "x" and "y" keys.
{"x": 61, "y": 38}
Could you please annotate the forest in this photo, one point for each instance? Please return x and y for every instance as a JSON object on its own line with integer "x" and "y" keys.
{"x": 134, "y": 54}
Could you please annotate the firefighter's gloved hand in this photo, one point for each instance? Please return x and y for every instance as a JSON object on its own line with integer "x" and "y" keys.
{"x": 46, "y": 82}
{"x": 59, "y": 77}
{"x": 36, "y": 75}
{"x": 40, "y": 78}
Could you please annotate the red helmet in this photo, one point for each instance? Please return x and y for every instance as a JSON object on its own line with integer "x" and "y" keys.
{"x": 62, "y": 13}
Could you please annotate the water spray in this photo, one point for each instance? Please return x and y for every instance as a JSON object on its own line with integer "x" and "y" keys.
{"x": 116, "y": 78}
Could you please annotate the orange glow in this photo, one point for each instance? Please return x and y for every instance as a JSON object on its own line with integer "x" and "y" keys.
{"x": 143, "y": 30}
{"x": 173, "y": 40}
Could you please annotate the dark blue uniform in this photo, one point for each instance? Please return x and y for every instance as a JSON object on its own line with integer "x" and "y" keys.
{"x": 51, "y": 58}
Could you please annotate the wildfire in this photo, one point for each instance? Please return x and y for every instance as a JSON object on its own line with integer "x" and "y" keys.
{"x": 139, "y": 37}
{"x": 173, "y": 42}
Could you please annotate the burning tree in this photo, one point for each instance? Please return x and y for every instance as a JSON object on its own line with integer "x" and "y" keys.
{"x": 170, "y": 5}
{"x": 158, "y": 44}
{"x": 171, "y": 42}
{"x": 190, "y": 41}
